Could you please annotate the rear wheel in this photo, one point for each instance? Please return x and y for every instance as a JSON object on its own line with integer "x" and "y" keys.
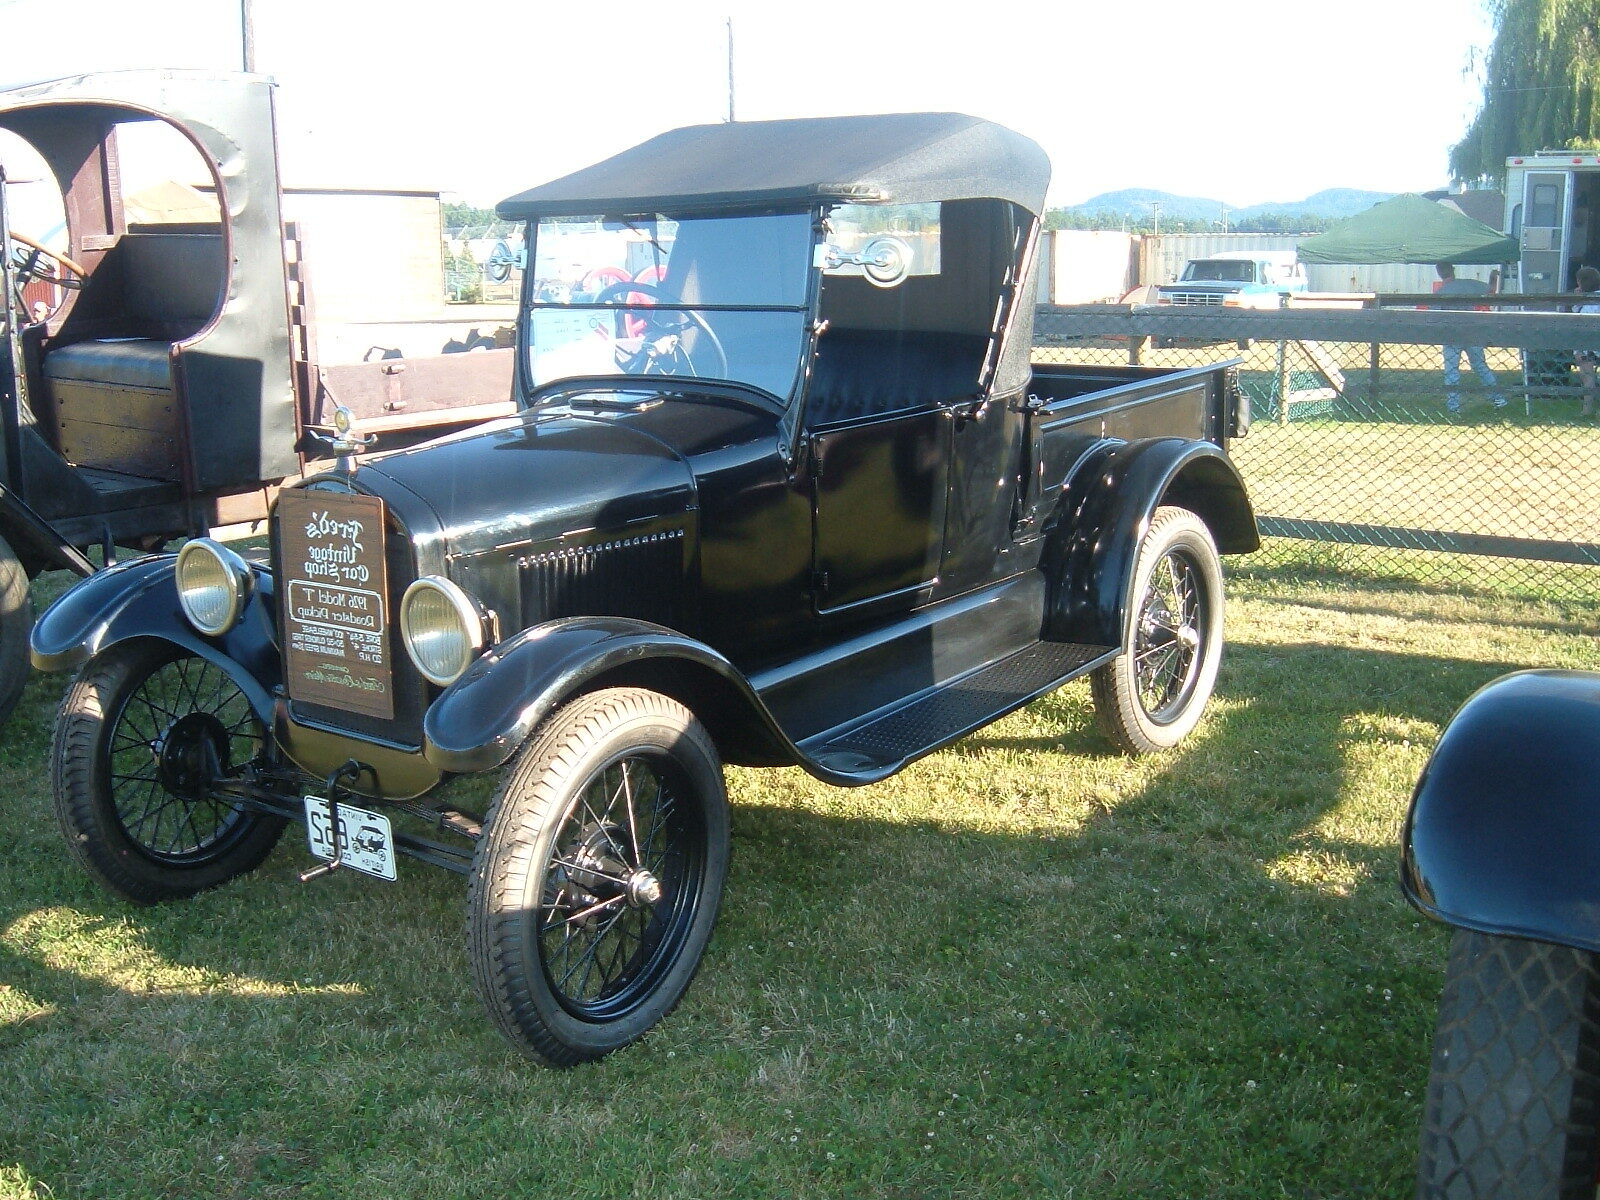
{"x": 597, "y": 882}
{"x": 1150, "y": 697}
{"x": 1513, "y": 1105}
{"x": 144, "y": 733}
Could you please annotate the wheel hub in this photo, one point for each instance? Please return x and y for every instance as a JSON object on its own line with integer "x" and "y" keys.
{"x": 644, "y": 889}
{"x": 191, "y": 753}
{"x": 597, "y": 863}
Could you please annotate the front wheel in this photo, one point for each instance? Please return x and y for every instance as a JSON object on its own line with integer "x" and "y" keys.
{"x": 144, "y": 735}
{"x": 1152, "y": 695}
{"x": 597, "y": 882}
{"x": 1513, "y": 1105}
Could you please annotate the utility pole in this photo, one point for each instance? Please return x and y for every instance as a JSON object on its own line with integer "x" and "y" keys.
{"x": 1155, "y": 207}
{"x": 247, "y": 35}
{"x": 730, "y": 69}
{"x": 1224, "y": 218}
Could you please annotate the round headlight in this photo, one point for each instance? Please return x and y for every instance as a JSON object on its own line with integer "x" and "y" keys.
{"x": 441, "y": 627}
{"x": 213, "y": 584}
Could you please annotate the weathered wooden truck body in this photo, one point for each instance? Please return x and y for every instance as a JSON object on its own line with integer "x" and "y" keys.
{"x": 166, "y": 386}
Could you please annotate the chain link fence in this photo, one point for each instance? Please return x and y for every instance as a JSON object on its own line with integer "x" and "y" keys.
{"x": 1369, "y": 454}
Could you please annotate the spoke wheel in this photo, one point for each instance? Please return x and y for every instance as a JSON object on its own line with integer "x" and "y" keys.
{"x": 595, "y": 888}
{"x": 1513, "y": 1105}
{"x": 144, "y": 734}
{"x": 1154, "y": 694}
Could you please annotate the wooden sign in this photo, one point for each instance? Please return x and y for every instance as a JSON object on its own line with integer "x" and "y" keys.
{"x": 336, "y": 618}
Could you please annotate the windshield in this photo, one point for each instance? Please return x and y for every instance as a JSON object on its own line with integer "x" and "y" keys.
{"x": 708, "y": 297}
{"x": 1230, "y": 270}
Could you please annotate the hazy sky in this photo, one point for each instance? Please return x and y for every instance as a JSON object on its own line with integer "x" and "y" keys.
{"x": 1243, "y": 101}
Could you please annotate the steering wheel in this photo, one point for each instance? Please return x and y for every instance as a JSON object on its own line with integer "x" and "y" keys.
{"x": 34, "y": 261}
{"x": 662, "y": 351}
{"x": 29, "y": 258}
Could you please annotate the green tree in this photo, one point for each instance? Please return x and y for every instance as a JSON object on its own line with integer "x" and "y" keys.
{"x": 1541, "y": 85}
{"x": 460, "y": 216}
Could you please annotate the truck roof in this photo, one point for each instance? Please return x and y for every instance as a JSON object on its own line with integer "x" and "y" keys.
{"x": 906, "y": 158}
{"x": 1278, "y": 256}
{"x": 1555, "y": 159}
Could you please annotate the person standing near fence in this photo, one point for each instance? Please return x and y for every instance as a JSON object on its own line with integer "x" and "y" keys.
{"x": 1449, "y": 285}
{"x": 1588, "y": 284}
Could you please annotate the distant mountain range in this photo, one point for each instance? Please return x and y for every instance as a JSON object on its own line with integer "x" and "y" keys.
{"x": 1139, "y": 203}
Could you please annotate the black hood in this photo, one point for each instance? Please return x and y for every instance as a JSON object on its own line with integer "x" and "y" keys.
{"x": 531, "y": 479}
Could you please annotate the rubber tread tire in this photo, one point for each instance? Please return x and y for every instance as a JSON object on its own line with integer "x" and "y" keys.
{"x": 83, "y": 806}
{"x": 16, "y": 623}
{"x": 1118, "y": 711}
{"x": 1513, "y": 1102}
{"x": 562, "y": 754}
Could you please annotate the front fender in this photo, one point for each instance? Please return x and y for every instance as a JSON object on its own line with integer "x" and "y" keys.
{"x": 1503, "y": 834}
{"x": 140, "y": 599}
{"x": 481, "y": 719}
{"x": 1101, "y": 519}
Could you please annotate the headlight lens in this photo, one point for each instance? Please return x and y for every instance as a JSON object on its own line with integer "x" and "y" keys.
{"x": 213, "y": 584}
{"x": 441, "y": 627}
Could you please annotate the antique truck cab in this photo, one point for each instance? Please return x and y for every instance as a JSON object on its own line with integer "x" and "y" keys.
{"x": 784, "y": 489}
{"x": 157, "y": 375}
{"x": 146, "y": 393}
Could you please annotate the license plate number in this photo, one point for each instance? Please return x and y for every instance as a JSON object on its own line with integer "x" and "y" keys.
{"x": 367, "y": 837}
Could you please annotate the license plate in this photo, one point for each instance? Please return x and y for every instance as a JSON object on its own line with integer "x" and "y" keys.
{"x": 366, "y": 836}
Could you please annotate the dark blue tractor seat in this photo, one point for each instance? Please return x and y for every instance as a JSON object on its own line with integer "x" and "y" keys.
{"x": 130, "y": 362}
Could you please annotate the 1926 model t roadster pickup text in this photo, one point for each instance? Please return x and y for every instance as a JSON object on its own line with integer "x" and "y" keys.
{"x": 784, "y": 490}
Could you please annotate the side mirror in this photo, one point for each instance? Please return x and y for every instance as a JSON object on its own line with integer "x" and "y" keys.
{"x": 885, "y": 260}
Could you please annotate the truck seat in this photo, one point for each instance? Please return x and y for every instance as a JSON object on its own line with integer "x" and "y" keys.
{"x": 128, "y": 362}
{"x": 866, "y": 373}
{"x": 109, "y": 371}
{"x": 115, "y": 406}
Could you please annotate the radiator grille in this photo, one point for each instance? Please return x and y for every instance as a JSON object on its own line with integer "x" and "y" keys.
{"x": 641, "y": 577}
{"x": 1210, "y": 298}
{"x": 410, "y": 689}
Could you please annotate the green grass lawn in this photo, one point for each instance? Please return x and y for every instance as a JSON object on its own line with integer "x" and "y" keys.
{"x": 1023, "y": 967}
{"x": 1520, "y": 480}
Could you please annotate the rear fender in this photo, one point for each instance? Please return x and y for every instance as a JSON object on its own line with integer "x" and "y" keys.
{"x": 1108, "y": 502}
{"x": 1503, "y": 834}
{"x": 480, "y": 720}
{"x": 139, "y": 599}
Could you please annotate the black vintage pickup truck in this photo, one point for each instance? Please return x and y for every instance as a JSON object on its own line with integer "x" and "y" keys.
{"x": 784, "y": 489}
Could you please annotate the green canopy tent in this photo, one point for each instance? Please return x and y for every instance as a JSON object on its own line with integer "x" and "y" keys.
{"x": 1409, "y": 229}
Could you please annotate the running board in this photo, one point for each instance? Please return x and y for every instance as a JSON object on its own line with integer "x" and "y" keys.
{"x": 884, "y": 741}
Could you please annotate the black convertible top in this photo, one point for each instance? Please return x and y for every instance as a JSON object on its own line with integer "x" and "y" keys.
{"x": 907, "y": 158}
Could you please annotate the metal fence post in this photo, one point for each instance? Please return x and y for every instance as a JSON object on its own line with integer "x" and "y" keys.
{"x": 1374, "y": 362}
{"x": 1283, "y": 369}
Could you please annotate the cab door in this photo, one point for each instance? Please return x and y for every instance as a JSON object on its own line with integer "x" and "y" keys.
{"x": 880, "y": 492}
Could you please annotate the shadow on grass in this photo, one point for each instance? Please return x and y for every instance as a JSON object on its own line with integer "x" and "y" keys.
{"x": 886, "y": 951}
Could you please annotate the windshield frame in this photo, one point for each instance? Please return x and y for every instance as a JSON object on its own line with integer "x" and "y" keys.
{"x": 531, "y": 394}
